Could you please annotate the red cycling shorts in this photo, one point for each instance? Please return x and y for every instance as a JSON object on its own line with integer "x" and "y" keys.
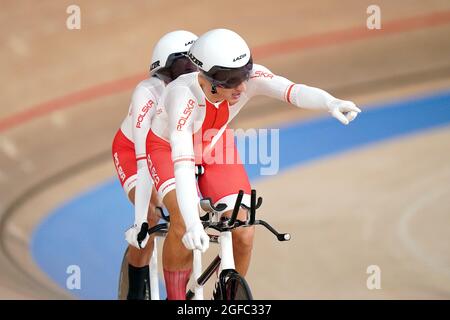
{"x": 220, "y": 181}
{"x": 124, "y": 157}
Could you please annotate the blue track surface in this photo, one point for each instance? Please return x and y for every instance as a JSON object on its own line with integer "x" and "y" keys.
{"x": 70, "y": 235}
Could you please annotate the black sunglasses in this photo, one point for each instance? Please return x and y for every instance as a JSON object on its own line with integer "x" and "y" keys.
{"x": 229, "y": 78}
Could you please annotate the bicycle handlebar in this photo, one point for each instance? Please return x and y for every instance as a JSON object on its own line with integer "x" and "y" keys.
{"x": 223, "y": 226}
{"x": 227, "y": 224}
{"x": 280, "y": 236}
{"x": 252, "y": 207}
{"x": 157, "y": 228}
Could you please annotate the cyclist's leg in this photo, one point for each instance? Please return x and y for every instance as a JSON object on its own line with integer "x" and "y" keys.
{"x": 222, "y": 180}
{"x": 242, "y": 242}
{"x": 138, "y": 260}
{"x": 141, "y": 257}
{"x": 243, "y": 245}
{"x": 177, "y": 260}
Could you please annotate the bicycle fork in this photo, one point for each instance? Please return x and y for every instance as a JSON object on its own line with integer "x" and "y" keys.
{"x": 223, "y": 261}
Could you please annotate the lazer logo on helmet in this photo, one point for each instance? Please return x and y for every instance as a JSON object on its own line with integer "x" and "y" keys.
{"x": 195, "y": 60}
{"x": 187, "y": 113}
{"x": 144, "y": 111}
{"x": 154, "y": 65}
{"x": 188, "y": 43}
{"x": 240, "y": 57}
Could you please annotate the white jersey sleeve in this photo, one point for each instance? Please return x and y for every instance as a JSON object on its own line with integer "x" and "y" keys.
{"x": 181, "y": 107}
{"x": 143, "y": 108}
{"x": 263, "y": 82}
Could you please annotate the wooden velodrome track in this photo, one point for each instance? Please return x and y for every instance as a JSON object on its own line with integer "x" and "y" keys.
{"x": 64, "y": 93}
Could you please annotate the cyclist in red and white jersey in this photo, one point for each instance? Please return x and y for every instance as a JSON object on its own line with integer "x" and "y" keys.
{"x": 195, "y": 105}
{"x": 169, "y": 60}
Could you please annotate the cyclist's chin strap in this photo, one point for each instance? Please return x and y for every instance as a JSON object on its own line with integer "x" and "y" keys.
{"x": 213, "y": 89}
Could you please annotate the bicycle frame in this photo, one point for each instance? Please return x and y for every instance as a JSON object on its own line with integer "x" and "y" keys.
{"x": 154, "y": 274}
{"x": 225, "y": 259}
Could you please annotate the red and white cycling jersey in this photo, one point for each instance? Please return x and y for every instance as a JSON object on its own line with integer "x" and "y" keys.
{"x": 142, "y": 109}
{"x": 129, "y": 145}
{"x": 184, "y": 112}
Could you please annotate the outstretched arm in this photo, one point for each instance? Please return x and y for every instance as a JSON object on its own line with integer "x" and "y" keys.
{"x": 264, "y": 82}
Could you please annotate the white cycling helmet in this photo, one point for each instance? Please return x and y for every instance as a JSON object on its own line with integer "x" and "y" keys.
{"x": 223, "y": 57}
{"x": 169, "y": 48}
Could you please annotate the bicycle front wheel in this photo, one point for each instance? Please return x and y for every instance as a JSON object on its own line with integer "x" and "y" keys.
{"x": 123, "y": 278}
{"x": 123, "y": 287}
{"x": 233, "y": 287}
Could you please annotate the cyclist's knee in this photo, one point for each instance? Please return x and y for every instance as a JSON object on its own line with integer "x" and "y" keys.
{"x": 139, "y": 257}
{"x": 177, "y": 229}
{"x": 131, "y": 195}
{"x": 243, "y": 239}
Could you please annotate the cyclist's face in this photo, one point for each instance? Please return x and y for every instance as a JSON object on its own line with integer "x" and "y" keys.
{"x": 232, "y": 95}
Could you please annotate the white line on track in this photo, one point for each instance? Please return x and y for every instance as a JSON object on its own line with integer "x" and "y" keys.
{"x": 17, "y": 232}
{"x": 19, "y": 46}
{"x": 58, "y": 119}
{"x": 412, "y": 246}
{"x": 9, "y": 148}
